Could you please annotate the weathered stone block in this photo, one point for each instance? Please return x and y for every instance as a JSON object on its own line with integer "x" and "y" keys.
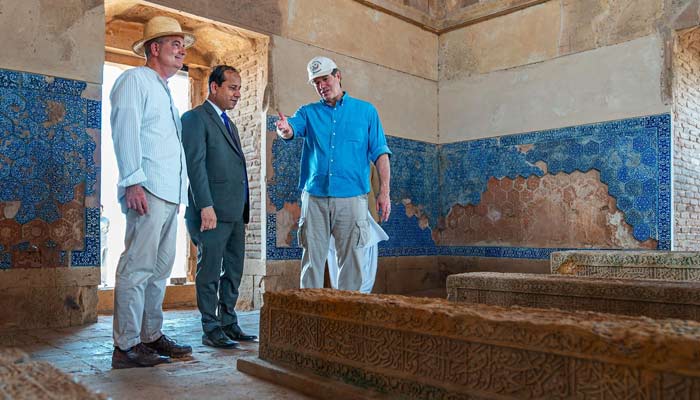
{"x": 431, "y": 348}
{"x": 48, "y": 297}
{"x": 24, "y": 379}
{"x": 647, "y": 298}
{"x": 666, "y": 265}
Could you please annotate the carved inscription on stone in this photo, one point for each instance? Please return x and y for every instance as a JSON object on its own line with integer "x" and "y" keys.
{"x": 654, "y": 299}
{"x": 434, "y": 349}
{"x": 666, "y": 265}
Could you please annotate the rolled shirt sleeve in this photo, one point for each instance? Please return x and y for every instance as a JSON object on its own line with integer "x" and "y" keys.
{"x": 377, "y": 139}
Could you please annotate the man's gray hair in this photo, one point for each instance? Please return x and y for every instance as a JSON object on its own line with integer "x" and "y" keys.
{"x": 147, "y": 45}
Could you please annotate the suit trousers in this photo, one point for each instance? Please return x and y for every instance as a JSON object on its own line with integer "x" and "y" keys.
{"x": 346, "y": 220}
{"x": 142, "y": 272}
{"x": 220, "y": 259}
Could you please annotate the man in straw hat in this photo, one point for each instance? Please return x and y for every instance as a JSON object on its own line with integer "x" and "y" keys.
{"x": 341, "y": 135}
{"x": 152, "y": 184}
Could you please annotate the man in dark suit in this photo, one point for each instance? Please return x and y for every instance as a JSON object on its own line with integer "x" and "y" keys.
{"x": 218, "y": 206}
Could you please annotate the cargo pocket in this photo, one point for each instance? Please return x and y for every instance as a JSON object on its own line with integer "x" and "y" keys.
{"x": 301, "y": 233}
{"x": 361, "y": 234}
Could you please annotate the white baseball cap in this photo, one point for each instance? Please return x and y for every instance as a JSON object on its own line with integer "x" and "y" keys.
{"x": 320, "y": 66}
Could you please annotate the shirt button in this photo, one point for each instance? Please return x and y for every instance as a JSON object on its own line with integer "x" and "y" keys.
{"x": 333, "y": 133}
{"x": 331, "y": 160}
{"x": 330, "y": 174}
{"x": 332, "y": 147}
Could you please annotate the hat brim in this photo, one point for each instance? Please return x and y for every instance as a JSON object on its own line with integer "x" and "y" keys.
{"x": 320, "y": 73}
{"x": 137, "y": 47}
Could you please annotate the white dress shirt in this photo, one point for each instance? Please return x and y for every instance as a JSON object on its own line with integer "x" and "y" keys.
{"x": 146, "y": 131}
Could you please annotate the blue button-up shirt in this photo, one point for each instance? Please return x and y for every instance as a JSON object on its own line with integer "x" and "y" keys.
{"x": 339, "y": 143}
{"x": 146, "y": 131}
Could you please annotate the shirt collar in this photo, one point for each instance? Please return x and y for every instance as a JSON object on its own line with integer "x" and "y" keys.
{"x": 339, "y": 102}
{"x": 216, "y": 108}
{"x": 160, "y": 78}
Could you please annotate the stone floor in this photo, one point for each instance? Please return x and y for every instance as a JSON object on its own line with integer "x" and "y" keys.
{"x": 85, "y": 353}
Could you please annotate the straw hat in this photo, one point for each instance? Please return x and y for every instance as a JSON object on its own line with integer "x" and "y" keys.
{"x": 160, "y": 26}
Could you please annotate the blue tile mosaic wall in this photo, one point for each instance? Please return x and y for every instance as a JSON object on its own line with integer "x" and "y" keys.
{"x": 90, "y": 256}
{"x": 45, "y": 149}
{"x": 283, "y": 187}
{"x": 415, "y": 175}
{"x": 633, "y": 157}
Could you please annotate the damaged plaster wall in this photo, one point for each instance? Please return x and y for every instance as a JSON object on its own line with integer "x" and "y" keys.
{"x": 65, "y": 40}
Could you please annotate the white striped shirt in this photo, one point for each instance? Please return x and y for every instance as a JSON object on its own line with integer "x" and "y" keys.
{"x": 146, "y": 131}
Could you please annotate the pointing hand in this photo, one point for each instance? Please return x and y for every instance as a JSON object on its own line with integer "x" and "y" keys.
{"x": 284, "y": 130}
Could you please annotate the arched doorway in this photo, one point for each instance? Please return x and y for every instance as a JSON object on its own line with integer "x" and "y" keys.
{"x": 217, "y": 43}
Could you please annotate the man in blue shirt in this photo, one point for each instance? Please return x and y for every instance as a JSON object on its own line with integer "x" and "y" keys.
{"x": 341, "y": 135}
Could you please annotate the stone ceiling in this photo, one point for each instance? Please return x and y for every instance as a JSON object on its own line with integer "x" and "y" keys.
{"x": 215, "y": 42}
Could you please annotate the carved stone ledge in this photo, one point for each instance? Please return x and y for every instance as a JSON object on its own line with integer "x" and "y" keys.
{"x": 22, "y": 379}
{"x": 665, "y": 265}
{"x": 635, "y": 297}
{"x": 431, "y": 348}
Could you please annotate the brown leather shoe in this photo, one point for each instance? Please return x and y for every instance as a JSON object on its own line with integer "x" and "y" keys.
{"x": 168, "y": 347}
{"x": 136, "y": 357}
{"x": 234, "y": 332}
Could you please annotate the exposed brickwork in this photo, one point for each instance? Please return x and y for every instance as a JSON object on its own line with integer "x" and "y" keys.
{"x": 686, "y": 140}
{"x": 248, "y": 118}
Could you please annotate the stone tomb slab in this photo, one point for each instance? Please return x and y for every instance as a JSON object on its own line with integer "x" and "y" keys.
{"x": 635, "y": 297}
{"x": 628, "y": 264}
{"x": 21, "y": 378}
{"x": 435, "y": 349}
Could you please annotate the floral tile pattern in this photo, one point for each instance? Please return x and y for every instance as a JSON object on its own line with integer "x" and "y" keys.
{"x": 46, "y": 163}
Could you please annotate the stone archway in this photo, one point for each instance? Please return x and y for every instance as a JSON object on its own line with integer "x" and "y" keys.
{"x": 217, "y": 43}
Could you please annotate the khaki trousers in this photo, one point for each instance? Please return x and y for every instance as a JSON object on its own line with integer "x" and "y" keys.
{"x": 142, "y": 272}
{"x": 346, "y": 220}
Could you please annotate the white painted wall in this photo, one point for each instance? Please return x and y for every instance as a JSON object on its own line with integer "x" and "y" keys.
{"x": 407, "y": 104}
{"x": 608, "y": 83}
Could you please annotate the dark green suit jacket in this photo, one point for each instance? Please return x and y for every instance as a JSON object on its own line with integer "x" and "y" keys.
{"x": 215, "y": 166}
